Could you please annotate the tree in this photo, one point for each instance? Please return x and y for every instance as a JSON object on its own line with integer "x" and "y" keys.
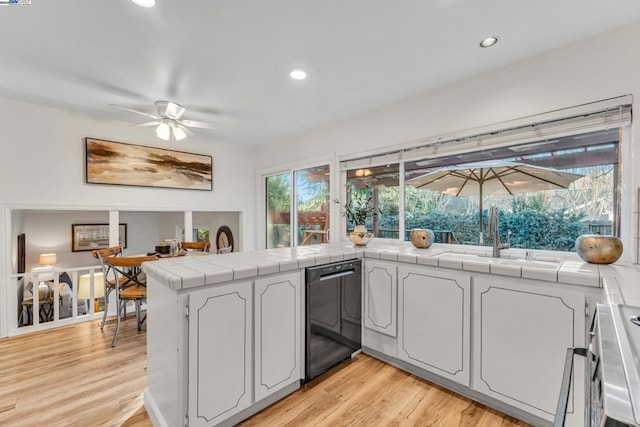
{"x": 279, "y": 192}
{"x": 312, "y": 193}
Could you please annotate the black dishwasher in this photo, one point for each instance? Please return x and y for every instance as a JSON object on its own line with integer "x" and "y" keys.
{"x": 333, "y": 315}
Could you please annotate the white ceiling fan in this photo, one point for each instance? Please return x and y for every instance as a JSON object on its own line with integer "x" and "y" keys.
{"x": 169, "y": 120}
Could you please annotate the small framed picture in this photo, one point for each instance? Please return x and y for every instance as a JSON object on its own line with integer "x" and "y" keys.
{"x": 88, "y": 237}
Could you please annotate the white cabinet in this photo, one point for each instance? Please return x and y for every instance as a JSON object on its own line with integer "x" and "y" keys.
{"x": 277, "y": 333}
{"x": 522, "y": 330}
{"x": 434, "y": 320}
{"x": 380, "y": 296}
{"x": 220, "y": 352}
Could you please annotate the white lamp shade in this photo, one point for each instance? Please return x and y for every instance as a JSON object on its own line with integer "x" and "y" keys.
{"x": 163, "y": 131}
{"x": 47, "y": 259}
{"x": 84, "y": 287}
{"x": 179, "y": 133}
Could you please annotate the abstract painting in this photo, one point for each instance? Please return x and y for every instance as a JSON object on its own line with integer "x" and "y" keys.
{"x": 116, "y": 163}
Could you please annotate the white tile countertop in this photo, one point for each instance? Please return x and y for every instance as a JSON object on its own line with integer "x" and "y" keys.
{"x": 621, "y": 283}
{"x": 563, "y": 267}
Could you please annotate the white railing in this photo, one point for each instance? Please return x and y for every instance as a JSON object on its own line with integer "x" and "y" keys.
{"x": 47, "y": 282}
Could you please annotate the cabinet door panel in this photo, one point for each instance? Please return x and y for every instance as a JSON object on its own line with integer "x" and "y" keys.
{"x": 220, "y": 351}
{"x": 521, "y": 339}
{"x": 277, "y": 326}
{"x": 380, "y": 295}
{"x": 434, "y": 321}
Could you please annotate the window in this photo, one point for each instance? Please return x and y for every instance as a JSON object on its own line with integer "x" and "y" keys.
{"x": 381, "y": 185}
{"x": 550, "y": 219}
{"x": 199, "y": 234}
{"x": 305, "y": 193}
{"x": 582, "y": 143}
{"x": 278, "y": 210}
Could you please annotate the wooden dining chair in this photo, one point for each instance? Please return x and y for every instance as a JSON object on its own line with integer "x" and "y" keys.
{"x": 195, "y": 246}
{"x": 129, "y": 268}
{"x": 108, "y": 276}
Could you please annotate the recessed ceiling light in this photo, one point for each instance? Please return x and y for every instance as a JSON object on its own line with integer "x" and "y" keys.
{"x": 145, "y": 3}
{"x": 298, "y": 75}
{"x": 489, "y": 41}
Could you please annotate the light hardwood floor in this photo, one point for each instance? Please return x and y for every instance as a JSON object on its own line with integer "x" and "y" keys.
{"x": 368, "y": 392}
{"x": 71, "y": 376}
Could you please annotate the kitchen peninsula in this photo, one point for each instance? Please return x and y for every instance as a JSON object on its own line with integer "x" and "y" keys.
{"x": 225, "y": 332}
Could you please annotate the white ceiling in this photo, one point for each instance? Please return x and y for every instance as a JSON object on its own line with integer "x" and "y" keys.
{"x": 228, "y": 61}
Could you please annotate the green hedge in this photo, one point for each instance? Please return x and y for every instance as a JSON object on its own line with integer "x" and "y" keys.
{"x": 531, "y": 229}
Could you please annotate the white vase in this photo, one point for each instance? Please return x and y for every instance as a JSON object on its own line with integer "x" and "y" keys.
{"x": 359, "y": 236}
{"x": 360, "y": 229}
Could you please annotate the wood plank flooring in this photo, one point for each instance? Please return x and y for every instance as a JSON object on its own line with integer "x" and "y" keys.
{"x": 368, "y": 392}
{"x": 71, "y": 376}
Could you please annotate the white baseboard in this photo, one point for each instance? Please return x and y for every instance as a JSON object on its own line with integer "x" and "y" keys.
{"x": 152, "y": 409}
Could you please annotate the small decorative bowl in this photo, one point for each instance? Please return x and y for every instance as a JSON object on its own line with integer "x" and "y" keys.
{"x": 422, "y": 238}
{"x": 598, "y": 249}
{"x": 359, "y": 238}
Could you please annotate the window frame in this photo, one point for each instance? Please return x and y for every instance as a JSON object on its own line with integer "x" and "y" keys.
{"x": 421, "y": 149}
{"x": 261, "y": 200}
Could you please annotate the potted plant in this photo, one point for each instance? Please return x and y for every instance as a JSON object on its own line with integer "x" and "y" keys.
{"x": 356, "y": 211}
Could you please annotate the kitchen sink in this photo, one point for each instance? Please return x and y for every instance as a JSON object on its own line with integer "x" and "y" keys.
{"x": 540, "y": 262}
{"x": 465, "y": 256}
{"x": 549, "y": 264}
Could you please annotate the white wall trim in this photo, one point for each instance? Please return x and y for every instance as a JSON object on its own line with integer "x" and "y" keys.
{"x": 5, "y": 268}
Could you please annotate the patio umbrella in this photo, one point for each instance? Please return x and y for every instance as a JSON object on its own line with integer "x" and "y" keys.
{"x": 493, "y": 177}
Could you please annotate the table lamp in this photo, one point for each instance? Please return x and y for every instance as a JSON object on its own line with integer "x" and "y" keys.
{"x": 84, "y": 288}
{"x": 44, "y": 272}
{"x": 47, "y": 260}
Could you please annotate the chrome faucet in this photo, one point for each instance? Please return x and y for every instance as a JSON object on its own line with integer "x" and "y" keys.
{"x": 494, "y": 230}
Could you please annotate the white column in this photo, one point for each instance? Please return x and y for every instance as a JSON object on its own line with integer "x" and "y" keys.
{"x": 7, "y": 294}
{"x": 114, "y": 226}
{"x": 188, "y": 226}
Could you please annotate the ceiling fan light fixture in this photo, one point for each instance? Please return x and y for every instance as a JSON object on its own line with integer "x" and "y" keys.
{"x": 174, "y": 110}
{"x": 178, "y": 133}
{"x": 163, "y": 131}
{"x": 145, "y": 3}
{"x": 168, "y": 122}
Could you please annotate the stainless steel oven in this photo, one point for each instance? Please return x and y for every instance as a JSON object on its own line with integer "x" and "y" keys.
{"x": 333, "y": 315}
{"x": 613, "y": 369}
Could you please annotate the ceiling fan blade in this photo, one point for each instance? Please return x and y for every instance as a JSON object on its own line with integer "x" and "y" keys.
{"x": 147, "y": 124}
{"x": 200, "y": 125}
{"x": 135, "y": 111}
{"x": 185, "y": 129}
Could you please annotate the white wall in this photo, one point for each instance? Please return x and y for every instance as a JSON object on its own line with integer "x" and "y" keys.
{"x": 215, "y": 220}
{"x": 143, "y": 231}
{"x": 43, "y": 163}
{"x": 599, "y": 68}
{"x": 50, "y": 232}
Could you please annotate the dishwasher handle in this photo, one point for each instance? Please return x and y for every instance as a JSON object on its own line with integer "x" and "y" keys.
{"x": 338, "y": 274}
{"x": 563, "y": 399}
